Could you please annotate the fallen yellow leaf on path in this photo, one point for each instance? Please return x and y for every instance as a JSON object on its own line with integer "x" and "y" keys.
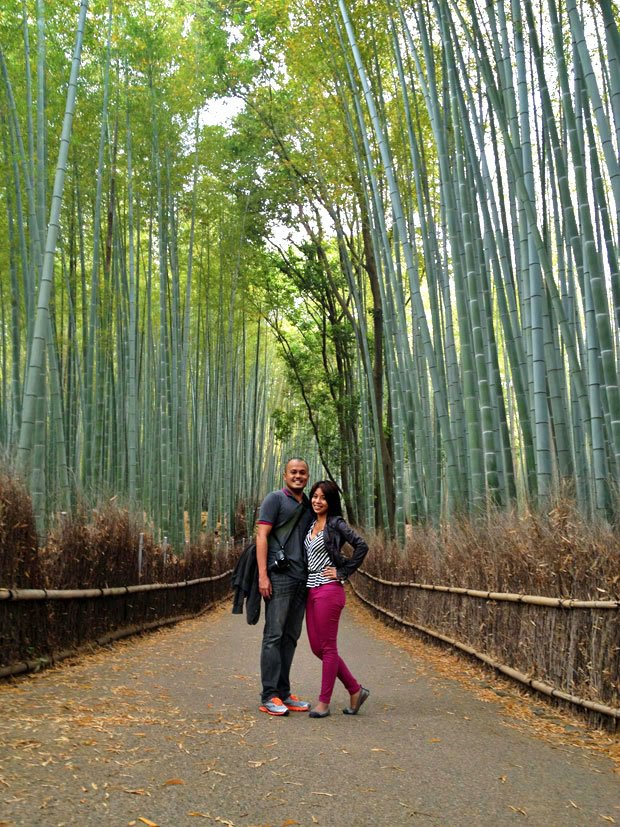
{"x": 173, "y": 781}
{"x": 213, "y": 818}
{"x": 147, "y": 821}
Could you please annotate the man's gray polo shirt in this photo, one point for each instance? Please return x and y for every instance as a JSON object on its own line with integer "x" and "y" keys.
{"x": 276, "y": 510}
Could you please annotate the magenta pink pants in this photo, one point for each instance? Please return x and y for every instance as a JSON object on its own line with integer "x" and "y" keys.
{"x": 323, "y": 609}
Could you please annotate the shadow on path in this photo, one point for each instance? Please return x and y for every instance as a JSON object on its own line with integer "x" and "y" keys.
{"x": 165, "y": 730}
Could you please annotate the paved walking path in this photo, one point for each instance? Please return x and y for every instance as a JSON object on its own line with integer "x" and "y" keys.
{"x": 164, "y": 729}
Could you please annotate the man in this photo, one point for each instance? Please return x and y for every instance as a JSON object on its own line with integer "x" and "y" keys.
{"x": 283, "y": 521}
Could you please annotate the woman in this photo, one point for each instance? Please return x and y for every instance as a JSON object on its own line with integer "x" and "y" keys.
{"x": 327, "y": 571}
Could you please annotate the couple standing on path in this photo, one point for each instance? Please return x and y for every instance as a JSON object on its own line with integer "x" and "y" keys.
{"x": 301, "y": 569}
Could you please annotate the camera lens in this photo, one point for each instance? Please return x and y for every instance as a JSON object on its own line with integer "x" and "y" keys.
{"x": 281, "y": 561}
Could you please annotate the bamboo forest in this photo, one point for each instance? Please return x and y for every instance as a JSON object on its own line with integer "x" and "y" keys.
{"x": 382, "y": 235}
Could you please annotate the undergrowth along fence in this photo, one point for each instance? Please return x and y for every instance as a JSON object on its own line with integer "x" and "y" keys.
{"x": 43, "y": 626}
{"x": 566, "y": 649}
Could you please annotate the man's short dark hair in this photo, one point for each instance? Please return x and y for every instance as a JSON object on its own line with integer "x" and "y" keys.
{"x": 295, "y": 459}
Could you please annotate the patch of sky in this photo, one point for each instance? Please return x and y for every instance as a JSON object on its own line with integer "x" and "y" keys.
{"x": 220, "y": 111}
{"x": 215, "y": 112}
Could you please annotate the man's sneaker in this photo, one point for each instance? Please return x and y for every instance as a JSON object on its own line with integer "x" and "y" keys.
{"x": 295, "y": 705}
{"x": 274, "y": 706}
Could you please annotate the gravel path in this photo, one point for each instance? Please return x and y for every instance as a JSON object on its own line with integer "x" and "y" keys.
{"x": 165, "y": 730}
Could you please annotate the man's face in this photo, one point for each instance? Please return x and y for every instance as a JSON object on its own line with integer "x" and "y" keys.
{"x": 296, "y": 476}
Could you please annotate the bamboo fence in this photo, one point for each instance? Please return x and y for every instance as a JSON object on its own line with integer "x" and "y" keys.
{"x": 565, "y": 649}
{"x": 36, "y": 623}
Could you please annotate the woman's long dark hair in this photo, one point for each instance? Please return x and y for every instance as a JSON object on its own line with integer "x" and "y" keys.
{"x": 331, "y": 494}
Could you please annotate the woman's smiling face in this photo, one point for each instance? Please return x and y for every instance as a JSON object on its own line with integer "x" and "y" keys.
{"x": 319, "y": 503}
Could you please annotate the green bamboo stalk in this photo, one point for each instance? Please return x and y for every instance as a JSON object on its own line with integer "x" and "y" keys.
{"x": 41, "y": 156}
{"x": 132, "y": 390}
{"x": 35, "y": 368}
{"x": 396, "y": 204}
{"x": 12, "y": 412}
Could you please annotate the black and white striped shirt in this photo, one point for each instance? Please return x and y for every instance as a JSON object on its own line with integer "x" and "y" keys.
{"x": 318, "y": 559}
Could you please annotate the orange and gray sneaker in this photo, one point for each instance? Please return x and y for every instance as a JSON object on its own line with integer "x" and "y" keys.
{"x": 293, "y": 704}
{"x": 274, "y": 706}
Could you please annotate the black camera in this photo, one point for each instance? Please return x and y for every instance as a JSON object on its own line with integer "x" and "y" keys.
{"x": 281, "y": 562}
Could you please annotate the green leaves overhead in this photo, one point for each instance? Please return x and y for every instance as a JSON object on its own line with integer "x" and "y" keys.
{"x": 415, "y": 206}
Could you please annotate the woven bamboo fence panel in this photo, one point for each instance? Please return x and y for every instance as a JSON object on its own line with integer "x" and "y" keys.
{"x": 40, "y": 626}
{"x": 569, "y": 649}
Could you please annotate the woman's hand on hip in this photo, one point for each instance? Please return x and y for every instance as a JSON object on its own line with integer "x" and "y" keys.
{"x": 330, "y": 573}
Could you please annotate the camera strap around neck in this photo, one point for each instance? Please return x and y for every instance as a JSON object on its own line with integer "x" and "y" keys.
{"x": 293, "y": 520}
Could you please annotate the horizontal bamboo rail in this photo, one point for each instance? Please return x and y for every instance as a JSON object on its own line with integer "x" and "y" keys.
{"x": 117, "y": 591}
{"x": 539, "y": 686}
{"x": 535, "y": 600}
{"x": 21, "y": 667}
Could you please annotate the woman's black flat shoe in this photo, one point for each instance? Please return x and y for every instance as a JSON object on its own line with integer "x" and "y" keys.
{"x": 315, "y": 714}
{"x": 353, "y": 710}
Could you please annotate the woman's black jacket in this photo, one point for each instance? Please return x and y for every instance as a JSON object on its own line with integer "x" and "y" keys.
{"x": 336, "y": 533}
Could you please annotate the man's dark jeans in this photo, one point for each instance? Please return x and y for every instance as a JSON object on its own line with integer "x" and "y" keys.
{"x": 284, "y": 617}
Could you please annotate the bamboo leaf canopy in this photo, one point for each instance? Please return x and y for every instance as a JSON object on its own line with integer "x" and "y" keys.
{"x": 397, "y": 257}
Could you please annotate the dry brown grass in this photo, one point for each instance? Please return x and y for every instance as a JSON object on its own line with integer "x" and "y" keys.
{"x": 93, "y": 549}
{"x": 555, "y": 554}
{"x": 19, "y": 556}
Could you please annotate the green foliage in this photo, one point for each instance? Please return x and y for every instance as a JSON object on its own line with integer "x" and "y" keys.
{"x": 433, "y": 257}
